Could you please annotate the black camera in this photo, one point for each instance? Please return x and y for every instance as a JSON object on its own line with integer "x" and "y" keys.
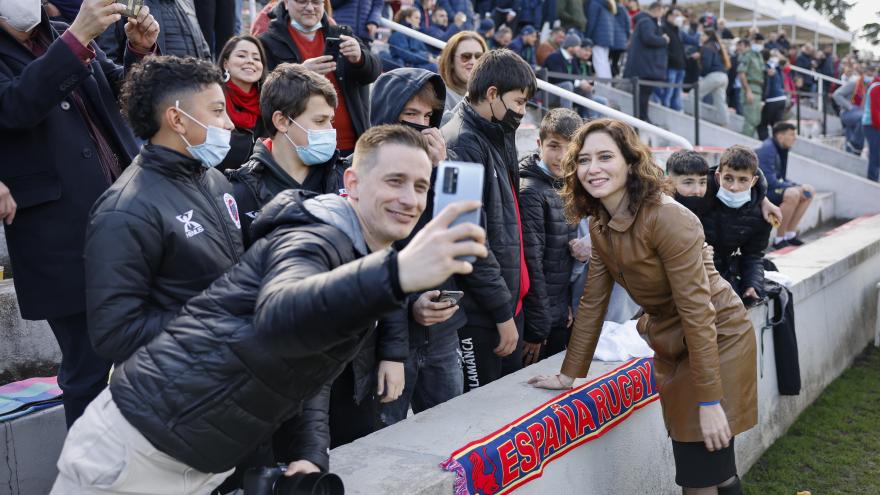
{"x": 271, "y": 481}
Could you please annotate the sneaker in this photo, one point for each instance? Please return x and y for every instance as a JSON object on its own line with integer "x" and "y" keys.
{"x": 781, "y": 244}
{"x": 794, "y": 241}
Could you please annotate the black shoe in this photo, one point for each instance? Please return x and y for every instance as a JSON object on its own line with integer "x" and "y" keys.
{"x": 794, "y": 241}
{"x": 781, "y": 244}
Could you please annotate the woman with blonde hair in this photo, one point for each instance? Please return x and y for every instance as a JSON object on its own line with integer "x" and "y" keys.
{"x": 456, "y": 62}
{"x": 704, "y": 343}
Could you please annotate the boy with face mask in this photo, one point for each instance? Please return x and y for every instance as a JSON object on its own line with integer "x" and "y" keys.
{"x": 298, "y": 107}
{"x": 483, "y": 130}
{"x": 728, "y": 201}
{"x": 169, "y": 226}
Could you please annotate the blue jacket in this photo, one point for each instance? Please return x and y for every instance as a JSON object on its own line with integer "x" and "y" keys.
{"x": 774, "y": 163}
{"x": 622, "y": 29}
{"x": 356, "y": 14}
{"x": 601, "y": 23}
{"x": 437, "y": 31}
{"x": 710, "y": 60}
{"x": 555, "y": 62}
{"x": 410, "y": 50}
{"x": 531, "y": 12}
{"x": 774, "y": 85}
{"x": 523, "y": 50}
{"x": 647, "y": 55}
{"x": 687, "y": 38}
{"x": 453, "y": 7}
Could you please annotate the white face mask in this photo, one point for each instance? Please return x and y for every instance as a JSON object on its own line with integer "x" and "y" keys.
{"x": 732, "y": 199}
{"x": 22, "y": 15}
{"x": 678, "y": 21}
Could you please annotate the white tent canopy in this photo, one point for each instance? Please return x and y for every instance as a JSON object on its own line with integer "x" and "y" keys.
{"x": 805, "y": 24}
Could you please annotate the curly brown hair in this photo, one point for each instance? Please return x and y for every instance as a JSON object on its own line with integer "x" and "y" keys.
{"x": 644, "y": 180}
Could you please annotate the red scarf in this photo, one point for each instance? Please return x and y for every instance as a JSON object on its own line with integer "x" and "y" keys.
{"x": 243, "y": 108}
{"x": 858, "y": 96}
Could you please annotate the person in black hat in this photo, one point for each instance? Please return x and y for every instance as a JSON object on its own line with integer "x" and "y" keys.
{"x": 487, "y": 29}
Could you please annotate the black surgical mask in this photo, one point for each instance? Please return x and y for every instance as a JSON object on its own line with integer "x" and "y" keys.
{"x": 418, "y": 127}
{"x": 697, "y": 204}
{"x": 510, "y": 121}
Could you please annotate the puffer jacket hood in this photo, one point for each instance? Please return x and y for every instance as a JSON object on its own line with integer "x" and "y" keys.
{"x": 394, "y": 89}
{"x": 298, "y": 207}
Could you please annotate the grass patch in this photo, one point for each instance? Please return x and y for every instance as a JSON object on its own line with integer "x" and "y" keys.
{"x": 834, "y": 446}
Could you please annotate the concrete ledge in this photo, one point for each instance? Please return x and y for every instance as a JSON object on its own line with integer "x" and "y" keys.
{"x": 28, "y": 347}
{"x": 31, "y": 446}
{"x": 835, "y": 304}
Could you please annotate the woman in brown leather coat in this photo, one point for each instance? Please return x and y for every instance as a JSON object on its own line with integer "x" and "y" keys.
{"x": 704, "y": 343}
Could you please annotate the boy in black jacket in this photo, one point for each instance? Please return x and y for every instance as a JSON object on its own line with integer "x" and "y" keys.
{"x": 483, "y": 130}
{"x": 546, "y": 237}
{"x": 734, "y": 222}
{"x": 728, "y": 201}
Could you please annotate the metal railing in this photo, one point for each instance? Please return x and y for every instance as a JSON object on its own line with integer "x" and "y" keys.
{"x": 821, "y": 78}
{"x": 636, "y": 84}
{"x": 562, "y": 93}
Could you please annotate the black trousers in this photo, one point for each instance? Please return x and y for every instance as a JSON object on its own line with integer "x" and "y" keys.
{"x": 350, "y": 420}
{"x": 644, "y": 98}
{"x": 83, "y": 374}
{"x": 480, "y": 363}
{"x": 771, "y": 113}
{"x": 217, "y": 21}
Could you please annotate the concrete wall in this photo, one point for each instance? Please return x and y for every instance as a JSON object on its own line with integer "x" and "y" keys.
{"x": 28, "y": 347}
{"x": 835, "y": 302}
{"x": 849, "y": 190}
{"x": 30, "y": 447}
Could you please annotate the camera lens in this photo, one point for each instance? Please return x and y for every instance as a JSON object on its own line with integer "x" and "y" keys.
{"x": 310, "y": 484}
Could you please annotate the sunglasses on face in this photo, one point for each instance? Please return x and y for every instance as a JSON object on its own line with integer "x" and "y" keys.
{"x": 303, "y": 3}
{"x": 466, "y": 57}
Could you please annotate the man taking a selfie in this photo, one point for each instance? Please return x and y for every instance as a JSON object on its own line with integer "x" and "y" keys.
{"x": 240, "y": 358}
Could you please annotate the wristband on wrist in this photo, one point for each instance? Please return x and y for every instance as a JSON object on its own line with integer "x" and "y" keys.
{"x": 710, "y": 403}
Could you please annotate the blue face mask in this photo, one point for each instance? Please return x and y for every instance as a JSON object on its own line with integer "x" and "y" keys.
{"x": 543, "y": 166}
{"x": 732, "y": 199}
{"x": 322, "y": 145}
{"x": 299, "y": 27}
{"x": 216, "y": 144}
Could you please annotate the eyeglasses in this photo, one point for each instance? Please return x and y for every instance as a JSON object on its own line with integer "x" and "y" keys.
{"x": 466, "y": 57}
{"x": 303, "y": 3}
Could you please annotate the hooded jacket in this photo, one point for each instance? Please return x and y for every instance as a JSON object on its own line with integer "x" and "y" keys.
{"x": 354, "y": 80}
{"x": 241, "y": 357}
{"x": 647, "y": 55}
{"x": 492, "y": 289}
{"x": 545, "y": 240}
{"x": 391, "y": 93}
{"x": 258, "y": 181}
{"x": 162, "y": 233}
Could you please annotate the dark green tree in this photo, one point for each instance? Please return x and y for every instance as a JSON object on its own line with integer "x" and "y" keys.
{"x": 835, "y": 9}
{"x": 871, "y": 32}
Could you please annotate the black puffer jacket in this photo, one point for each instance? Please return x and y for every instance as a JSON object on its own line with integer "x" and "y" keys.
{"x": 545, "y": 239}
{"x": 492, "y": 289}
{"x": 744, "y": 229}
{"x": 354, "y": 80}
{"x": 162, "y": 233}
{"x": 240, "y": 358}
{"x": 258, "y": 181}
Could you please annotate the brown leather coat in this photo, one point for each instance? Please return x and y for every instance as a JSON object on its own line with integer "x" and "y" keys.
{"x": 703, "y": 341}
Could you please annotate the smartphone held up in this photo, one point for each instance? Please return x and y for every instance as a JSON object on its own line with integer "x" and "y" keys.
{"x": 132, "y": 7}
{"x": 459, "y": 181}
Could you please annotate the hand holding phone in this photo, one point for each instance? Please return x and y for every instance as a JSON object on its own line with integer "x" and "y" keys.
{"x": 133, "y": 7}
{"x": 431, "y": 307}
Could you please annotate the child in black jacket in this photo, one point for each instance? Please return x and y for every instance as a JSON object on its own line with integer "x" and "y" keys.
{"x": 731, "y": 215}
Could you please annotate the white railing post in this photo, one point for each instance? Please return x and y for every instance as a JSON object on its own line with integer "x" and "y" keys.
{"x": 562, "y": 93}
{"x": 821, "y": 100}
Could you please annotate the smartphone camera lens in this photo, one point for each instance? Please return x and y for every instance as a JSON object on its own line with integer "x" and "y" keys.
{"x": 450, "y": 180}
